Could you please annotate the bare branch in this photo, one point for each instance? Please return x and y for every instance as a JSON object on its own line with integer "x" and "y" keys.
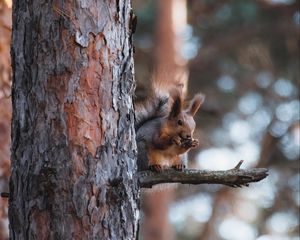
{"x": 235, "y": 177}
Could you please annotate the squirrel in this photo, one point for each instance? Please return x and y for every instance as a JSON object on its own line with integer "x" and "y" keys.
{"x": 164, "y": 130}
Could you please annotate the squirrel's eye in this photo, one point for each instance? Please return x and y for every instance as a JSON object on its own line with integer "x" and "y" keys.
{"x": 180, "y": 122}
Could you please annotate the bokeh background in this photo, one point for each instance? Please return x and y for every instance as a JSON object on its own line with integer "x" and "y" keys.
{"x": 244, "y": 56}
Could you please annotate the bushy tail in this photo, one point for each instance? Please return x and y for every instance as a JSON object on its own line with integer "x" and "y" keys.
{"x": 158, "y": 104}
{"x": 149, "y": 109}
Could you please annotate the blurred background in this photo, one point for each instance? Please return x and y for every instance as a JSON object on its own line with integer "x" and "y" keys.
{"x": 244, "y": 56}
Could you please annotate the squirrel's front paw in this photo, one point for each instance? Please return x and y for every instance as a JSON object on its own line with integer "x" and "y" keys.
{"x": 177, "y": 140}
{"x": 195, "y": 143}
{"x": 190, "y": 143}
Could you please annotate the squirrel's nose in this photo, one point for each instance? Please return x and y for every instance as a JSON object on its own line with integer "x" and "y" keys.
{"x": 187, "y": 136}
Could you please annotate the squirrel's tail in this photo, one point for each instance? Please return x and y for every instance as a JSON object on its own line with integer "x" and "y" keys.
{"x": 151, "y": 108}
{"x": 158, "y": 104}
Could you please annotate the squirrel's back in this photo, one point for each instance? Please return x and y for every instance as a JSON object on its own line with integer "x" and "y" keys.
{"x": 144, "y": 136}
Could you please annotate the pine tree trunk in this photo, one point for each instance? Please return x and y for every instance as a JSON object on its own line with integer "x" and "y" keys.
{"x": 73, "y": 147}
{"x": 5, "y": 112}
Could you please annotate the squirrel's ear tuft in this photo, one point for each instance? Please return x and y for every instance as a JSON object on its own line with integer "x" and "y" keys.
{"x": 176, "y": 107}
{"x": 196, "y": 103}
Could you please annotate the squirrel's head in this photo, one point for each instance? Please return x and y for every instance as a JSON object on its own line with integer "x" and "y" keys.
{"x": 182, "y": 120}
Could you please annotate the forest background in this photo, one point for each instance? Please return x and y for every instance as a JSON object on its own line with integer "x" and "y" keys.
{"x": 244, "y": 55}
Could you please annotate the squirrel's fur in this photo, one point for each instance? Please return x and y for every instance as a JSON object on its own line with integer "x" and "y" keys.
{"x": 164, "y": 128}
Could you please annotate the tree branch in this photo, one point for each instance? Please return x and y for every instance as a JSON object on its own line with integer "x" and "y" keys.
{"x": 235, "y": 177}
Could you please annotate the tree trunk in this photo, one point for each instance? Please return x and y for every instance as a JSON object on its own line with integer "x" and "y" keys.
{"x": 5, "y": 112}
{"x": 73, "y": 147}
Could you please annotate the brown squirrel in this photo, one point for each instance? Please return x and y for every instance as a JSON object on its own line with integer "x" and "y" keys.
{"x": 164, "y": 131}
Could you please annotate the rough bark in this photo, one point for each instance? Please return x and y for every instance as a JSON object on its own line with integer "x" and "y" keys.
{"x": 73, "y": 148}
{"x": 5, "y": 112}
{"x": 5, "y": 117}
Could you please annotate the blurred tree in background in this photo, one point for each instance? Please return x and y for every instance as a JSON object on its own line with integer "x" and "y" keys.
{"x": 244, "y": 55}
{"x": 171, "y": 68}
